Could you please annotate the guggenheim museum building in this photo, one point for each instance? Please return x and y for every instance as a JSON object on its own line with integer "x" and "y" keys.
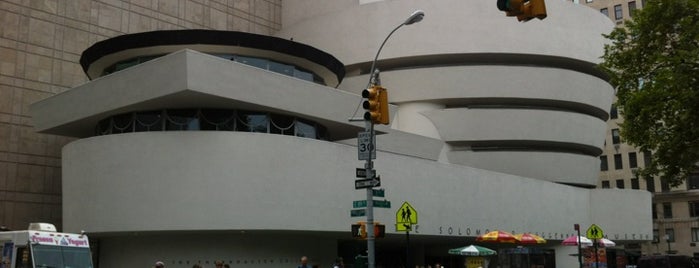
{"x": 201, "y": 145}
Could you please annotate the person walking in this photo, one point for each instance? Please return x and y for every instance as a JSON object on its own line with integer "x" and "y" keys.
{"x": 159, "y": 264}
{"x": 339, "y": 263}
{"x": 304, "y": 263}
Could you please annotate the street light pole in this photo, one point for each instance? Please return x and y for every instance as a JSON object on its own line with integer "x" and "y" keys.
{"x": 369, "y": 165}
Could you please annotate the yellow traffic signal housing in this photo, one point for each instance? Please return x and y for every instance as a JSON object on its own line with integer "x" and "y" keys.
{"x": 533, "y": 9}
{"x": 376, "y": 104}
{"x": 525, "y": 10}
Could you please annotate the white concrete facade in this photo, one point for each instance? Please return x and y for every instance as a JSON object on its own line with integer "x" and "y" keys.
{"x": 263, "y": 200}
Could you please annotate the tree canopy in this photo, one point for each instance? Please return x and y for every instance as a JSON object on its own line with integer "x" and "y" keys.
{"x": 654, "y": 65}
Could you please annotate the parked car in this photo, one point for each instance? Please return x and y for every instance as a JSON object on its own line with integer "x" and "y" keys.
{"x": 666, "y": 261}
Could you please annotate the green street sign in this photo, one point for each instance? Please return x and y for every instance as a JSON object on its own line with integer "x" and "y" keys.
{"x": 379, "y": 192}
{"x": 377, "y": 204}
{"x": 382, "y": 204}
{"x": 359, "y": 204}
{"x": 357, "y": 212}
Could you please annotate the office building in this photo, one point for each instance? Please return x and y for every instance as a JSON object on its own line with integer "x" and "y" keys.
{"x": 675, "y": 210}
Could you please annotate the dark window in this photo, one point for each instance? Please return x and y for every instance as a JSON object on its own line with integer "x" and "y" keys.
{"x": 605, "y": 184}
{"x": 633, "y": 162}
{"x": 632, "y": 8}
{"x": 620, "y": 184}
{"x": 693, "y": 181}
{"x": 613, "y": 113}
{"x": 617, "y": 12}
{"x": 650, "y": 184}
{"x": 656, "y": 236}
{"x": 282, "y": 125}
{"x": 695, "y": 234}
{"x": 635, "y": 184}
{"x": 615, "y": 136}
{"x": 304, "y": 129}
{"x": 669, "y": 235}
{"x": 646, "y": 158}
{"x": 603, "y": 163}
{"x": 604, "y": 11}
{"x": 184, "y": 119}
{"x": 664, "y": 186}
{"x": 617, "y": 162}
{"x": 253, "y": 122}
{"x": 694, "y": 209}
{"x": 209, "y": 120}
{"x": 667, "y": 210}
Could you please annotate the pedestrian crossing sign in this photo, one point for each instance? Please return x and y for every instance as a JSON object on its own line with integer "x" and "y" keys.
{"x": 406, "y": 216}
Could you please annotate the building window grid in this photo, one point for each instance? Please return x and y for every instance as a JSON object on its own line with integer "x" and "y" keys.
{"x": 650, "y": 184}
{"x": 618, "y": 14}
{"x": 633, "y": 161}
{"x": 605, "y": 11}
{"x": 670, "y": 235}
{"x": 210, "y": 119}
{"x": 694, "y": 208}
{"x": 605, "y": 184}
{"x": 620, "y": 184}
{"x": 618, "y": 164}
{"x": 667, "y": 210}
{"x": 603, "y": 163}
{"x": 616, "y": 138}
{"x": 632, "y": 8}
{"x": 635, "y": 184}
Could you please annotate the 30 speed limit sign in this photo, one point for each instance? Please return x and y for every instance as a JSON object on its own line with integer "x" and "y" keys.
{"x": 366, "y": 149}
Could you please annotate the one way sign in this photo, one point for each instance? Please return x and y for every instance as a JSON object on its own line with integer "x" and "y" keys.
{"x": 367, "y": 183}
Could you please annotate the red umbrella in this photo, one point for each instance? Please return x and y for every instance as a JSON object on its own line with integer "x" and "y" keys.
{"x": 573, "y": 241}
{"x": 527, "y": 238}
{"x": 497, "y": 236}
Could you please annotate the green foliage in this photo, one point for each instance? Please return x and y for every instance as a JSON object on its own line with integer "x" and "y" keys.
{"x": 654, "y": 65}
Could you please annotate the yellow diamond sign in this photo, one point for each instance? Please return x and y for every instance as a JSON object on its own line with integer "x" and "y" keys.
{"x": 594, "y": 232}
{"x": 406, "y": 216}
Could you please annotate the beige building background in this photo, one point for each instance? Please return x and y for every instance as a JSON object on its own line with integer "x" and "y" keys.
{"x": 40, "y": 46}
{"x": 675, "y": 210}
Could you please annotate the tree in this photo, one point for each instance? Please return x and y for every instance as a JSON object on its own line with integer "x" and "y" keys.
{"x": 654, "y": 65}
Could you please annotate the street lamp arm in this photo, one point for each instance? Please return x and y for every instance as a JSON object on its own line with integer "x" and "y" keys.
{"x": 415, "y": 17}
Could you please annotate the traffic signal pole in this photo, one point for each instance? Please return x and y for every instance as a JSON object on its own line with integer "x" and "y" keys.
{"x": 377, "y": 114}
{"x": 370, "y": 236}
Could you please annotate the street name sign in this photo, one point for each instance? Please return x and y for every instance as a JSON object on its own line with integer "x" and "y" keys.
{"x": 357, "y": 212}
{"x": 379, "y": 192}
{"x": 377, "y": 203}
{"x": 359, "y": 204}
{"x": 382, "y": 204}
{"x": 367, "y": 183}
{"x": 361, "y": 172}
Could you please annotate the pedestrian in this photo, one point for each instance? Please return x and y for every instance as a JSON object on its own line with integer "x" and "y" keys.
{"x": 339, "y": 263}
{"x": 218, "y": 264}
{"x": 159, "y": 264}
{"x": 196, "y": 266}
{"x": 304, "y": 263}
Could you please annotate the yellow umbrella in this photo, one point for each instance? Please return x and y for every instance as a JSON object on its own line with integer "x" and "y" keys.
{"x": 527, "y": 238}
{"x": 497, "y": 236}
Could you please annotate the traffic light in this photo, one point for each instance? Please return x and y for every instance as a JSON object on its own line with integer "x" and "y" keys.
{"x": 379, "y": 230}
{"x": 359, "y": 230}
{"x": 376, "y": 104}
{"x": 525, "y": 10}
